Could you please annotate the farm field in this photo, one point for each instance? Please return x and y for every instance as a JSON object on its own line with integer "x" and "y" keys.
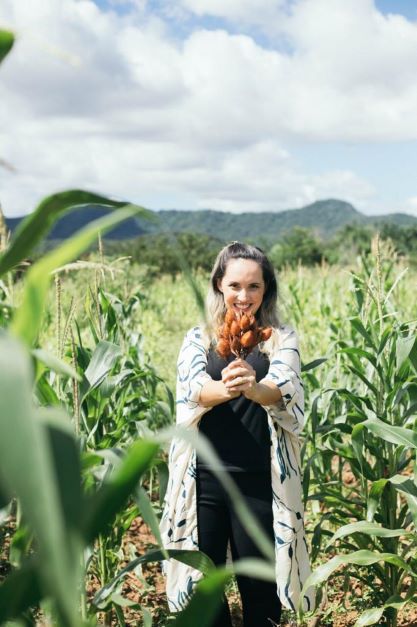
{"x": 88, "y": 355}
{"x": 121, "y": 331}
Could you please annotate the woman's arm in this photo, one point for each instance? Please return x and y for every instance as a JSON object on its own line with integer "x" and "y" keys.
{"x": 215, "y": 392}
{"x": 191, "y": 378}
{"x": 240, "y": 377}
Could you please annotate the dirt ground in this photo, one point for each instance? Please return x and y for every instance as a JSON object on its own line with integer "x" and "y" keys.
{"x": 148, "y": 590}
{"x": 336, "y": 613}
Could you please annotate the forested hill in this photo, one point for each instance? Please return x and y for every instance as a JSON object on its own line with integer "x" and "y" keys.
{"x": 325, "y": 217}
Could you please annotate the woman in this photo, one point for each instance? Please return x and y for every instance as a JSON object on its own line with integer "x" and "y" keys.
{"x": 252, "y": 413}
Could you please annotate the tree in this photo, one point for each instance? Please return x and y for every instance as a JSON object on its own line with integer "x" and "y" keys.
{"x": 299, "y": 245}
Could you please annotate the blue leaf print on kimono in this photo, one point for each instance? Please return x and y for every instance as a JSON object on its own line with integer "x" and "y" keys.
{"x": 178, "y": 524}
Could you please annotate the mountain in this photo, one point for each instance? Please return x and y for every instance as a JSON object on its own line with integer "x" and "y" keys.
{"x": 75, "y": 220}
{"x": 324, "y": 217}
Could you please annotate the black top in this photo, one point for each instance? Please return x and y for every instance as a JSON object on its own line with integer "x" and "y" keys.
{"x": 238, "y": 429}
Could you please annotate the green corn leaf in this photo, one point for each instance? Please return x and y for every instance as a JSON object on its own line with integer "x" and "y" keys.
{"x": 208, "y": 592}
{"x": 19, "y": 591}
{"x": 359, "y": 352}
{"x": 55, "y": 364}
{"x": 37, "y": 224}
{"x": 163, "y": 476}
{"x": 148, "y": 514}
{"x": 358, "y": 441}
{"x": 313, "y": 364}
{"x": 202, "y": 608}
{"x": 67, "y": 465}
{"x": 372, "y": 616}
{"x": 404, "y": 484}
{"x": 6, "y": 43}
{"x": 28, "y": 317}
{"x": 27, "y": 471}
{"x": 112, "y": 496}
{"x": 403, "y": 349}
{"x": 102, "y": 362}
{"x": 196, "y": 559}
{"x": 396, "y": 435}
{"x": 44, "y": 390}
{"x": 361, "y": 558}
{"x": 367, "y": 528}
{"x": 358, "y": 325}
{"x": 384, "y": 339}
{"x": 409, "y": 489}
{"x": 146, "y": 617}
{"x": 374, "y": 497}
{"x": 361, "y": 376}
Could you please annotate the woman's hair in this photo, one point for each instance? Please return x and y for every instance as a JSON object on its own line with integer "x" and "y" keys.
{"x": 267, "y": 314}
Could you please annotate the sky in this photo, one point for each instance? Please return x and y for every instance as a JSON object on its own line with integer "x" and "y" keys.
{"x": 234, "y": 105}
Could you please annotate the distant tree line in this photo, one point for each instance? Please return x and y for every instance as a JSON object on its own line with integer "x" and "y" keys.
{"x": 301, "y": 245}
{"x": 166, "y": 253}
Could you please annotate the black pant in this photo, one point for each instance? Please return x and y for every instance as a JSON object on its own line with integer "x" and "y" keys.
{"x": 217, "y": 523}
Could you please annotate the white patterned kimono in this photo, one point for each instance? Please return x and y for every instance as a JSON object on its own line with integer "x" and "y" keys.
{"x": 285, "y": 420}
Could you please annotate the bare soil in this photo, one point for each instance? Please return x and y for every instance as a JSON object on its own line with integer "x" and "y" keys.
{"x": 340, "y": 609}
{"x": 338, "y": 612}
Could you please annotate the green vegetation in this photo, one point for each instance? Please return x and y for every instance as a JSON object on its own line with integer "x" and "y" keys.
{"x": 87, "y": 367}
{"x": 163, "y": 253}
{"x": 105, "y": 319}
{"x": 324, "y": 217}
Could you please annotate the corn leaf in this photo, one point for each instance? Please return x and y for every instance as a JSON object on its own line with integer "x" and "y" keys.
{"x": 55, "y": 364}
{"x": 403, "y": 348}
{"x": 6, "y": 43}
{"x": 371, "y": 529}
{"x": 37, "y": 224}
{"x": 112, "y": 496}
{"x": 20, "y": 590}
{"x": 361, "y": 558}
{"x": 196, "y": 559}
{"x": 207, "y": 597}
{"x": 102, "y": 361}
{"x": 148, "y": 514}
{"x": 371, "y": 616}
{"x": 203, "y": 607}
{"x": 313, "y": 364}
{"x": 27, "y": 471}
{"x": 395, "y": 435}
{"x": 28, "y": 317}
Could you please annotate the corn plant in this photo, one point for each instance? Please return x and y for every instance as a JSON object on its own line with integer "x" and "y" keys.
{"x": 369, "y": 426}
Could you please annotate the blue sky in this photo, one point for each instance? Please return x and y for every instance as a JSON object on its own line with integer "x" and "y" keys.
{"x": 407, "y": 8}
{"x": 249, "y": 105}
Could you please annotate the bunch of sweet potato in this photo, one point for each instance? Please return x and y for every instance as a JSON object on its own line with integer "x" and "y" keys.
{"x": 239, "y": 334}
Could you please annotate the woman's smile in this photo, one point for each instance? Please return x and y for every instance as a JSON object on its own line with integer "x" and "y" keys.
{"x": 242, "y": 285}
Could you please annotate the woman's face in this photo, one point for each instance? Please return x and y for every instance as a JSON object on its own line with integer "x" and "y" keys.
{"x": 242, "y": 285}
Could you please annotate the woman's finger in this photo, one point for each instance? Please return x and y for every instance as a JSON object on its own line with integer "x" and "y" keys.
{"x": 240, "y": 382}
{"x": 237, "y": 372}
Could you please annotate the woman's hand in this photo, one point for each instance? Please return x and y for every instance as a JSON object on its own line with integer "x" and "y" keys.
{"x": 239, "y": 376}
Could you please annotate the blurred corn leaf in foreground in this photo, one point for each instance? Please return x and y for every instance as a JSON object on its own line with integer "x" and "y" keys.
{"x": 6, "y": 43}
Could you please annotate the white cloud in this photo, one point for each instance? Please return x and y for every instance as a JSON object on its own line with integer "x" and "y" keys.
{"x": 262, "y": 13}
{"x": 410, "y": 206}
{"x": 114, "y": 102}
{"x": 270, "y": 180}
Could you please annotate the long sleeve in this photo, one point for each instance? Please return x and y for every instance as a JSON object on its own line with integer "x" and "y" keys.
{"x": 285, "y": 372}
{"x": 191, "y": 376}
